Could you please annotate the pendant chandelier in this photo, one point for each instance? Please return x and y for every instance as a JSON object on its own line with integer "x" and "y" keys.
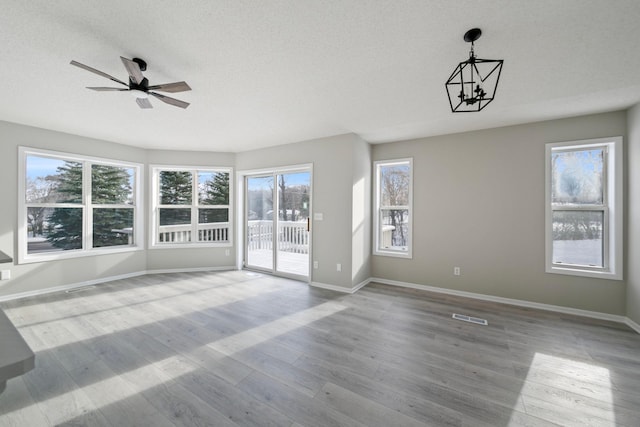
{"x": 473, "y": 83}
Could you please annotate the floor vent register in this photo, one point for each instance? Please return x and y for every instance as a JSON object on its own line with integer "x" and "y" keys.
{"x": 470, "y": 319}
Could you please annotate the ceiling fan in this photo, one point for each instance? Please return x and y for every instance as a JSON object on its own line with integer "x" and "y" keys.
{"x": 139, "y": 85}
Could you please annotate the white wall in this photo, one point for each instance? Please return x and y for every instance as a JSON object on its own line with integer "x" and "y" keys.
{"x": 633, "y": 215}
{"x": 479, "y": 205}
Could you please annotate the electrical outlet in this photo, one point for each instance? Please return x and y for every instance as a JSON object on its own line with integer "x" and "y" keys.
{"x": 315, "y": 264}
{"x": 5, "y": 274}
{"x": 456, "y": 271}
{"x": 227, "y": 252}
{"x": 338, "y": 267}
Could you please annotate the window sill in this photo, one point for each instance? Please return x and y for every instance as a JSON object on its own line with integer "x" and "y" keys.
{"x": 577, "y": 271}
{"x": 394, "y": 254}
{"x": 29, "y": 259}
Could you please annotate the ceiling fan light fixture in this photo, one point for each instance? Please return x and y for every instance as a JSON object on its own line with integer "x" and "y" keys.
{"x": 137, "y": 93}
{"x": 473, "y": 83}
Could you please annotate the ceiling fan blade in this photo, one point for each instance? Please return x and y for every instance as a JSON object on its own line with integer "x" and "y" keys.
{"x": 107, "y": 89}
{"x": 171, "y": 87}
{"x": 98, "y": 72}
{"x": 169, "y": 100}
{"x": 144, "y": 103}
{"x": 133, "y": 69}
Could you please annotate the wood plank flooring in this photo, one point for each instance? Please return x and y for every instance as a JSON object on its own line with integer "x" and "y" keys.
{"x": 233, "y": 348}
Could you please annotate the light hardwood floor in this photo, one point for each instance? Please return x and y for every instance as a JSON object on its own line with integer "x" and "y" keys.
{"x": 236, "y": 348}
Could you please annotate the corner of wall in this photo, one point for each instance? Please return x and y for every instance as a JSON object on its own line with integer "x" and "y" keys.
{"x": 361, "y": 213}
{"x": 633, "y": 215}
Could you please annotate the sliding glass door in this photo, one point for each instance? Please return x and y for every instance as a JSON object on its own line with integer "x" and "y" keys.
{"x": 259, "y": 226}
{"x": 277, "y": 225}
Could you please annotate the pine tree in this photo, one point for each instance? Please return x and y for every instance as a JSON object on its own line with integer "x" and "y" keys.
{"x": 175, "y": 189}
{"x": 109, "y": 185}
{"x": 216, "y": 192}
{"x": 65, "y": 224}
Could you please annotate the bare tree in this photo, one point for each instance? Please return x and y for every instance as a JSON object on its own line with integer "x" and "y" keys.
{"x": 395, "y": 192}
{"x": 283, "y": 186}
{"x": 40, "y": 190}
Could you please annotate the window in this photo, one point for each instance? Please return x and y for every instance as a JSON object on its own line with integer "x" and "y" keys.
{"x": 393, "y": 200}
{"x": 584, "y": 208}
{"x": 73, "y": 205}
{"x": 191, "y": 206}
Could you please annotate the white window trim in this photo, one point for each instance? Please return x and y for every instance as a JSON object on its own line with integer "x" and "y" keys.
{"x": 87, "y": 234}
{"x": 376, "y": 214}
{"x": 613, "y": 244}
{"x": 154, "y": 195}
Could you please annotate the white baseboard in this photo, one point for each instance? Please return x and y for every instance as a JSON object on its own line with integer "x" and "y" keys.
{"x": 70, "y": 286}
{"x": 190, "y": 270}
{"x": 106, "y": 280}
{"x": 521, "y": 303}
{"x": 340, "y": 288}
{"x": 633, "y": 325}
{"x": 510, "y": 301}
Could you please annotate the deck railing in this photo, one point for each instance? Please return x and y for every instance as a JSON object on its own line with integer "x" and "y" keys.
{"x": 387, "y": 235}
{"x": 212, "y": 232}
{"x": 292, "y": 236}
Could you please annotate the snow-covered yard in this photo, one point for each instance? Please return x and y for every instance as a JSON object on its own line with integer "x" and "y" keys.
{"x": 580, "y": 252}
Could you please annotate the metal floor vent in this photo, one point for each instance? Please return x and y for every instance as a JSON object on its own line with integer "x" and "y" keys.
{"x": 80, "y": 289}
{"x": 470, "y": 319}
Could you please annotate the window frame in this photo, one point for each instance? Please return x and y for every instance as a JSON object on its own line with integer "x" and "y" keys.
{"x": 86, "y": 205}
{"x": 611, "y": 207}
{"x": 378, "y": 209}
{"x": 195, "y": 205}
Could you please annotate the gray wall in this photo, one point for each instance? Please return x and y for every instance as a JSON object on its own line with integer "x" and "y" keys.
{"x": 35, "y": 276}
{"x": 633, "y": 215}
{"x": 337, "y": 161}
{"x": 361, "y": 213}
{"x": 339, "y": 238}
{"x": 479, "y": 205}
{"x": 185, "y": 258}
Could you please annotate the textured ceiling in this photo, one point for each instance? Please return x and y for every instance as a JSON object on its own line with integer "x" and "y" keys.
{"x": 268, "y": 72}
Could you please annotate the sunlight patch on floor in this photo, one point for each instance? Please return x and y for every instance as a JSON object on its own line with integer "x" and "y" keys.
{"x": 243, "y": 340}
{"x": 129, "y": 317}
{"x": 554, "y": 391}
{"x": 114, "y": 389}
{"x": 100, "y": 301}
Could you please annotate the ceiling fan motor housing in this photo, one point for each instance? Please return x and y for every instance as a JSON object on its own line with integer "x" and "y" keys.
{"x": 141, "y": 63}
{"x": 143, "y": 86}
